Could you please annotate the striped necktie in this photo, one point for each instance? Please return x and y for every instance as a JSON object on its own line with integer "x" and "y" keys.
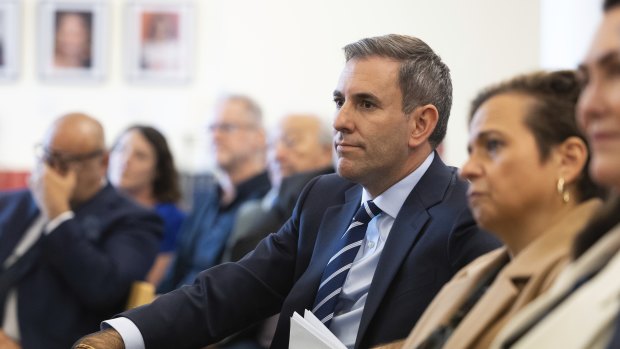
{"x": 337, "y": 268}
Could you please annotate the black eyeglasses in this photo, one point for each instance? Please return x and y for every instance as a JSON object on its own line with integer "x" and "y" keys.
{"x": 63, "y": 160}
{"x": 229, "y": 128}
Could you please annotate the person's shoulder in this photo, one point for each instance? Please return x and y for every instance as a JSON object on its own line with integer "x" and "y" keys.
{"x": 484, "y": 262}
{"x": 440, "y": 186}
{"x": 111, "y": 200}
{"x": 15, "y": 195}
{"x": 19, "y": 200}
{"x": 169, "y": 210}
{"x": 299, "y": 180}
{"x": 438, "y": 170}
{"x": 326, "y": 190}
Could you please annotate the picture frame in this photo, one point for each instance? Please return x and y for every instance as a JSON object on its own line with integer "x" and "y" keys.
{"x": 72, "y": 40}
{"x": 159, "y": 41}
{"x": 10, "y": 35}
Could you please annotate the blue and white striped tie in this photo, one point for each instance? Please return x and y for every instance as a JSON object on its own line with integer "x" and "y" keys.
{"x": 337, "y": 268}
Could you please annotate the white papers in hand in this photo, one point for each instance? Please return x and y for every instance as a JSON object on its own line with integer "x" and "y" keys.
{"x": 310, "y": 333}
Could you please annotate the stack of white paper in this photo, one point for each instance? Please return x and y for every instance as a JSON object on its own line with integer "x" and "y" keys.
{"x": 310, "y": 333}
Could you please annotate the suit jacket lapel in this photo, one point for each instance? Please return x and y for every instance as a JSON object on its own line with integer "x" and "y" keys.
{"x": 335, "y": 222}
{"x": 406, "y": 230}
{"x": 595, "y": 258}
{"x": 15, "y": 223}
{"x": 495, "y": 301}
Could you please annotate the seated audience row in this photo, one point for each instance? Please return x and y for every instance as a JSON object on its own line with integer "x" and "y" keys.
{"x": 142, "y": 168}
{"x": 386, "y": 250}
{"x": 411, "y": 223}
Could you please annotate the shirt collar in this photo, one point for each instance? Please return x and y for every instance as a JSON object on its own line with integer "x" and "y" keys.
{"x": 391, "y": 200}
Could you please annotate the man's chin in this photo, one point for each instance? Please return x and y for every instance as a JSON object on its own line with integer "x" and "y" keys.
{"x": 346, "y": 171}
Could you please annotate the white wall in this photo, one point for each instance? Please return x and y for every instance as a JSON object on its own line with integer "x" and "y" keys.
{"x": 567, "y": 27}
{"x": 287, "y": 54}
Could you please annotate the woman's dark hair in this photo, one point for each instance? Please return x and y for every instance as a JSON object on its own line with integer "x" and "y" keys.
{"x": 166, "y": 183}
{"x": 551, "y": 117}
{"x": 608, "y": 4}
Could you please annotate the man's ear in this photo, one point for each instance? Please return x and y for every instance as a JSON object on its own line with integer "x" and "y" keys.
{"x": 422, "y": 122}
{"x": 105, "y": 161}
{"x": 573, "y": 154}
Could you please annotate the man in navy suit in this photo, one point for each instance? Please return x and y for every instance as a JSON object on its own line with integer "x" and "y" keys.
{"x": 393, "y": 100}
{"x": 70, "y": 246}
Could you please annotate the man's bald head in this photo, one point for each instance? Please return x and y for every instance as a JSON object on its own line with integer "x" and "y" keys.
{"x": 76, "y": 130}
{"x": 302, "y": 143}
{"x": 76, "y": 142}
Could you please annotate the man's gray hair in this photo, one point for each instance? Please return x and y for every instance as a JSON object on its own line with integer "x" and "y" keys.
{"x": 423, "y": 77}
{"x": 250, "y": 104}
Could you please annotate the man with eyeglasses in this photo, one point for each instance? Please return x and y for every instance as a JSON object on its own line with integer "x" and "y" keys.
{"x": 70, "y": 246}
{"x": 239, "y": 145}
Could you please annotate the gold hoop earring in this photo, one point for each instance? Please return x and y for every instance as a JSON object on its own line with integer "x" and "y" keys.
{"x": 562, "y": 191}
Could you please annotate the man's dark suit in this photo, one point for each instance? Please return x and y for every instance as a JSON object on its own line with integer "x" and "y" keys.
{"x": 79, "y": 274}
{"x": 433, "y": 236}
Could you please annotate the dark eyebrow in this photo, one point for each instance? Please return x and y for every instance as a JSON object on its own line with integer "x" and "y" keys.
{"x": 608, "y": 58}
{"x": 366, "y": 96}
{"x": 360, "y": 97}
{"x": 603, "y": 60}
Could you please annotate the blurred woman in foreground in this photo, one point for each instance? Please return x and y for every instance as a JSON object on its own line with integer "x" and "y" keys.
{"x": 581, "y": 309}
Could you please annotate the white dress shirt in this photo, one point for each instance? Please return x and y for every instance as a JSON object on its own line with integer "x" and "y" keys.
{"x": 345, "y": 323}
{"x": 10, "y": 324}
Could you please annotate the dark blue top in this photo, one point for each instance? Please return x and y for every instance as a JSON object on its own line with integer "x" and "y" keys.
{"x": 173, "y": 218}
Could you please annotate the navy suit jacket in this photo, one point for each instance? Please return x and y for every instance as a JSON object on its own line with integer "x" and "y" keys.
{"x": 81, "y": 273}
{"x": 433, "y": 236}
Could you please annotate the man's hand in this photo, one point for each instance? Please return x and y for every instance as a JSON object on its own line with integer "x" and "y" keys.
{"x": 106, "y": 339}
{"x": 6, "y": 342}
{"x": 52, "y": 190}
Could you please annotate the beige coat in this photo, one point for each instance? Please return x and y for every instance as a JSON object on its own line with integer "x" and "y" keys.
{"x": 519, "y": 282}
{"x": 584, "y": 320}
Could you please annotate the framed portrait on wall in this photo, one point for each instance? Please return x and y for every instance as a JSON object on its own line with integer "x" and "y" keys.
{"x": 159, "y": 41}
{"x": 72, "y": 36}
{"x": 9, "y": 39}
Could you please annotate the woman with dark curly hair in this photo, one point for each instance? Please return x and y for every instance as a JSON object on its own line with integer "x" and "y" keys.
{"x": 142, "y": 167}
